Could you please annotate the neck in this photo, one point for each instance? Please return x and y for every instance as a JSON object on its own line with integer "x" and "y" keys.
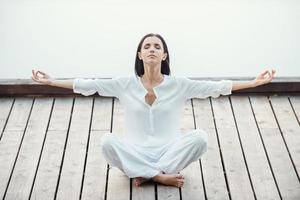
{"x": 152, "y": 74}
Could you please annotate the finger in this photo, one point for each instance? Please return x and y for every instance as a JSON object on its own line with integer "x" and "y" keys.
{"x": 268, "y": 74}
{"x": 264, "y": 72}
{"x": 35, "y": 74}
{"x": 42, "y": 72}
{"x": 36, "y": 80}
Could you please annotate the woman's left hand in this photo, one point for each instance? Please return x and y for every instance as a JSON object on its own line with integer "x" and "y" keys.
{"x": 264, "y": 78}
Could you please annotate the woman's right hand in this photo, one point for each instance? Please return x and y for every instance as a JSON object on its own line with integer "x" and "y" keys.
{"x": 41, "y": 77}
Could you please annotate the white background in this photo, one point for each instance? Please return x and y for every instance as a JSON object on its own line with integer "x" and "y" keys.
{"x": 90, "y": 38}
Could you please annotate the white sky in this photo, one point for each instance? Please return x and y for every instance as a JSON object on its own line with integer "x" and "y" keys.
{"x": 68, "y": 38}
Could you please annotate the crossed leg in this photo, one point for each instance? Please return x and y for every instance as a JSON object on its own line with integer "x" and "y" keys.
{"x": 183, "y": 151}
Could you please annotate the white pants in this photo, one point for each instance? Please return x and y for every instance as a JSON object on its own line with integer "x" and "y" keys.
{"x": 136, "y": 161}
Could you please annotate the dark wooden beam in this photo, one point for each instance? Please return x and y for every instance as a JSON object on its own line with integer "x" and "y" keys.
{"x": 27, "y": 87}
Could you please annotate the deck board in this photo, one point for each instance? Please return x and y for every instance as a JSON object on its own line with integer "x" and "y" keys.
{"x": 49, "y": 167}
{"x": 11, "y": 140}
{"x": 295, "y": 104}
{"x": 28, "y": 158}
{"x": 289, "y": 128}
{"x": 49, "y": 149}
{"x": 213, "y": 173}
{"x": 235, "y": 167}
{"x": 284, "y": 172}
{"x": 257, "y": 162}
{"x": 73, "y": 161}
{"x": 5, "y": 107}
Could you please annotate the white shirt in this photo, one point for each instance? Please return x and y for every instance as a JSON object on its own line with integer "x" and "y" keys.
{"x": 158, "y": 124}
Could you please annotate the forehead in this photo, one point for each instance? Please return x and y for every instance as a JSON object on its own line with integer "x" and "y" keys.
{"x": 152, "y": 40}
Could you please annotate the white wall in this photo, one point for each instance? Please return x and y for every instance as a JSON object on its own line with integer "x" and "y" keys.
{"x": 68, "y": 38}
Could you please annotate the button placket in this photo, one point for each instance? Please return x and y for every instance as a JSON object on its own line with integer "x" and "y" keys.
{"x": 151, "y": 121}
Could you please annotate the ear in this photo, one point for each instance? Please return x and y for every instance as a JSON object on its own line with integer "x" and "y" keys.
{"x": 165, "y": 56}
{"x": 139, "y": 54}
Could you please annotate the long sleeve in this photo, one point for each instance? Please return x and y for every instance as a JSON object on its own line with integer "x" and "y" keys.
{"x": 104, "y": 87}
{"x": 203, "y": 89}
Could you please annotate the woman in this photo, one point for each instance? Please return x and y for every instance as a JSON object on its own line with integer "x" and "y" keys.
{"x": 152, "y": 146}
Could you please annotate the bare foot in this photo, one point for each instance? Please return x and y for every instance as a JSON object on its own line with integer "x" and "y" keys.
{"x": 138, "y": 181}
{"x": 176, "y": 180}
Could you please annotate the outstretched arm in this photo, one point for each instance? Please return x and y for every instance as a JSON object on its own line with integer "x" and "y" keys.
{"x": 43, "y": 78}
{"x": 264, "y": 78}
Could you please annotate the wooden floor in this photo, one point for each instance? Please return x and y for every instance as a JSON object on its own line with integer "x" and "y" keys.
{"x": 49, "y": 149}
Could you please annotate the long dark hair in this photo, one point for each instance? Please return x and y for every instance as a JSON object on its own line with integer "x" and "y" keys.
{"x": 165, "y": 64}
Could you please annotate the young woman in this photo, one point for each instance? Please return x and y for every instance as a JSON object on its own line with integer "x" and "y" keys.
{"x": 152, "y": 146}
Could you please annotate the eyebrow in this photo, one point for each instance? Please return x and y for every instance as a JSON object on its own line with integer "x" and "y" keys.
{"x": 154, "y": 43}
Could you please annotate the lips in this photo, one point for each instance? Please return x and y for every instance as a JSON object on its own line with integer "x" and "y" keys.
{"x": 151, "y": 55}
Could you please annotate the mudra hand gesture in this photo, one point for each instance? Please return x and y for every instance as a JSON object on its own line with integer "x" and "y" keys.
{"x": 41, "y": 77}
{"x": 264, "y": 78}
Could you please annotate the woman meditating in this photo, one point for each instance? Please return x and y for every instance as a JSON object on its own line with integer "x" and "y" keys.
{"x": 153, "y": 148}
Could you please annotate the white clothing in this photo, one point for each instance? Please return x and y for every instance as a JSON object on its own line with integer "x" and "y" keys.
{"x": 155, "y": 125}
{"x": 152, "y": 141}
{"x": 136, "y": 161}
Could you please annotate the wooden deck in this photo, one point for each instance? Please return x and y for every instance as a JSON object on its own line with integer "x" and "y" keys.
{"x": 49, "y": 149}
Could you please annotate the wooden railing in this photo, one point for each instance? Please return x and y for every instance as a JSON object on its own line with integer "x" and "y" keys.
{"x": 27, "y": 87}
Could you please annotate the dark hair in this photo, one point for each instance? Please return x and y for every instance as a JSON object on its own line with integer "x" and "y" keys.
{"x": 139, "y": 65}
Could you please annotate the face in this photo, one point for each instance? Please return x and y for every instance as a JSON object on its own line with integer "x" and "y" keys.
{"x": 152, "y": 51}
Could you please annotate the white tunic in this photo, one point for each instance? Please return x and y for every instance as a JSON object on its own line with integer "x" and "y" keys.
{"x": 157, "y": 124}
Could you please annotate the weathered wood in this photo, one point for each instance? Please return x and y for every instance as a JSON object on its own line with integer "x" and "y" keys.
{"x": 28, "y": 158}
{"x": 73, "y": 163}
{"x": 281, "y": 164}
{"x": 193, "y": 186}
{"x": 259, "y": 169}
{"x": 17, "y": 87}
{"x": 145, "y": 192}
{"x": 252, "y": 138}
{"x": 238, "y": 180}
{"x": 5, "y": 106}
{"x": 289, "y": 127}
{"x": 214, "y": 179}
{"x": 49, "y": 167}
{"x": 96, "y": 166}
{"x": 167, "y": 192}
{"x": 295, "y": 102}
{"x": 11, "y": 139}
{"x": 118, "y": 183}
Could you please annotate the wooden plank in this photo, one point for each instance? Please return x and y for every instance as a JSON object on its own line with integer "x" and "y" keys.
{"x": 289, "y": 127}
{"x": 281, "y": 164}
{"x": 214, "y": 179}
{"x": 5, "y": 107}
{"x": 118, "y": 183}
{"x": 295, "y": 102}
{"x": 49, "y": 167}
{"x": 259, "y": 169}
{"x": 11, "y": 139}
{"x": 28, "y": 158}
{"x": 72, "y": 169}
{"x": 96, "y": 166}
{"x": 193, "y": 186}
{"x": 238, "y": 180}
{"x": 145, "y": 192}
{"x": 167, "y": 192}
